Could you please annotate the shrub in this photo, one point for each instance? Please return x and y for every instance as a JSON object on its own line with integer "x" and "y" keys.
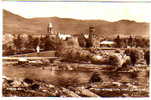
{"x": 146, "y": 57}
{"x": 114, "y": 60}
{"x": 73, "y": 54}
{"x": 134, "y": 55}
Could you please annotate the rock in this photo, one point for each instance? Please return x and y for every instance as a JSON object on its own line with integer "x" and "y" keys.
{"x": 95, "y": 78}
{"x": 86, "y": 92}
{"x": 117, "y": 83}
{"x": 69, "y": 93}
{"x": 25, "y": 84}
{"x": 35, "y": 87}
{"x": 51, "y": 86}
{"x": 69, "y": 67}
{"x": 45, "y": 90}
{"x": 9, "y": 81}
{"x": 28, "y": 81}
{"x": 16, "y": 83}
{"x": 45, "y": 61}
{"x": 7, "y": 78}
{"x": 131, "y": 86}
{"x": 97, "y": 59}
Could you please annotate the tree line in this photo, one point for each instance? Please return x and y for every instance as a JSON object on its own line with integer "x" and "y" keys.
{"x": 131, "y": 42}
{"x": 21, "y": 45}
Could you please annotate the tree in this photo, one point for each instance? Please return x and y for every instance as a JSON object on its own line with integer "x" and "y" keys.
{"x": 35, "y": 42}
{"x": 89, "y": 41}
{"x": 117, "y": 41}
{"x": 81, "y": 40}
{"x": 8, "y": 50}
{"x": 48, "y": 43}
{"x": 134, "y": 55}
{"x": 130, "y": 41}
{"x": 18, "y": 42}
{"x": 146, "y": 57}
{"x": 29, "y": 43}
{"x": 125, "y": 43}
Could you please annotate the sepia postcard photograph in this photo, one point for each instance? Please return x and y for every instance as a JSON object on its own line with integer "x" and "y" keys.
{"x": 80, "y": 49}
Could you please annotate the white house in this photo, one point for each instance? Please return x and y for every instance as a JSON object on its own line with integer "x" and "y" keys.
{"x": 64, "y": 36}
{"x": 107, "y": 43}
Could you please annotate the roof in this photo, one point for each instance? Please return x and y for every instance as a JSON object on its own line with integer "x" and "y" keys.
{"x": 107, "y": 42}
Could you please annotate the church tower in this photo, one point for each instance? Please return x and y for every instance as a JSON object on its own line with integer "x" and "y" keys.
{"x": 49, "y": 28}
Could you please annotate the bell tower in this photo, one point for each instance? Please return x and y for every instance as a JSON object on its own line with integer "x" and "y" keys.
{"x": 91, "y": 32}
{"x": 49, "y": 28}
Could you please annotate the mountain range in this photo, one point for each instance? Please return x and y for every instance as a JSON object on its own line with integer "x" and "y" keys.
{"x": 15, "y": 24}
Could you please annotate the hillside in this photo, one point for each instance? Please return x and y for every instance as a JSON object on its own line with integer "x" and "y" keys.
{"x": 16, "y": 24}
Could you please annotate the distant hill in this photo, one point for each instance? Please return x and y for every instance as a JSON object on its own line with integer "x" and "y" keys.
{"x": 15, "y": 24}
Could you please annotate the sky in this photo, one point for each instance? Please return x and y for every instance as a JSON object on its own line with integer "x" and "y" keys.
{"x": 82, "y": 10}
{"x": 82, "y": 0}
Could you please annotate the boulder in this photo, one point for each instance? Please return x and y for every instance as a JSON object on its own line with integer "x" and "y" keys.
{"x": 95, "y": 78}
